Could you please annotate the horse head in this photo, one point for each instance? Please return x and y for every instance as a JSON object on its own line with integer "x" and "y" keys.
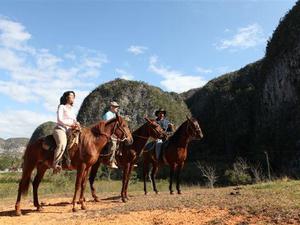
{"x": 155, "y": 130}
{"x": 194, "y": 128}
{"x": 121, "y": 130}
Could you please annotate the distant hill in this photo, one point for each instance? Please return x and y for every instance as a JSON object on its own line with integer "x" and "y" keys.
{"x": 13, "y": 146}
{"x": 137, "y": 99}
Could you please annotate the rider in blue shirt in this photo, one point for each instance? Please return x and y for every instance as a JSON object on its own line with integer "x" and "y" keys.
{"x": 112, "y": 145}
{"x": 165, "y": 125}
{"x": 162, "y": 120}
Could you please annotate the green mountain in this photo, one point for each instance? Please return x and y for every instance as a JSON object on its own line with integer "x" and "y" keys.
{"x": 137, "y": 100}
{"x": 42, "y": 130}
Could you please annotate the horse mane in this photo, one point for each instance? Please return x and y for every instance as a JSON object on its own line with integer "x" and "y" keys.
{"x": 178, "y": 132}
{"x": 139, "y": 129}
{"x": 88, "y": 134}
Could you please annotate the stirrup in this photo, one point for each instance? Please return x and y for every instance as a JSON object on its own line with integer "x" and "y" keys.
{"x": 113, "y": 165}
{"x": 57, "y": 169}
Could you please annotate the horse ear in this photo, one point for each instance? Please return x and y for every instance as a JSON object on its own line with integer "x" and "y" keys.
{"x": 147, "y": 119}
{"x": 187, "y": 117}
{"x": 118, "y": 117}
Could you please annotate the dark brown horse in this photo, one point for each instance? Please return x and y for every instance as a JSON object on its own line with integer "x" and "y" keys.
{"x": 128, "y": 155}
{"x": 173, "y": 153}
{"x": 83, "y": 156}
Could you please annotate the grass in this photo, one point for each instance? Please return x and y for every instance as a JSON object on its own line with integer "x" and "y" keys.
{"x": 64, "y": 183}
{"x": 278, "y": 201}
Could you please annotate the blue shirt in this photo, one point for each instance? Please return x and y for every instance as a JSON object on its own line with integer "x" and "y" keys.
{"x": 109, "y": 115}
{"x": 164, "y": 123}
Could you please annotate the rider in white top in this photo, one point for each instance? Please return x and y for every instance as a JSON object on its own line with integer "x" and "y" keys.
{"x": 66, "y": 120}
{"x": 66, "y": 117}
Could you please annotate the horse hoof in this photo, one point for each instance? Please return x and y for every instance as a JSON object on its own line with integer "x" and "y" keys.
{"x": 96, "y": 199}
{"x": 83, "y": 207}
{"x": 179, "y": 192}
{"x": 74, "y": 210}
{"x": 39, "y": 209}
{"x": 18, "y": 213}
{"x": 146, "y": 193}
{"x": 171, "y": 192}
{"x": 124, "y": 200}
{"x": 156, "y": 192}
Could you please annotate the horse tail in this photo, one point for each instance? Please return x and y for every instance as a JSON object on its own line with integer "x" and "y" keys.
{"x": 30, "y": 159}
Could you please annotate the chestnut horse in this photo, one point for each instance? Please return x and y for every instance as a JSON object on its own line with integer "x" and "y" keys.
{"x": 83, "y": 156}
{"x": 173, "y": 153}
{"x": 128, "y": 155}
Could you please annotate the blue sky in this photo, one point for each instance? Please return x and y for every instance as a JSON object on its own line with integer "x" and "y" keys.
{"x": 47, "y": 47}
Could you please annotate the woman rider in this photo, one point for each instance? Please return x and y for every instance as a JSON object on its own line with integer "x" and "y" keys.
{"x": 66, "y": 120}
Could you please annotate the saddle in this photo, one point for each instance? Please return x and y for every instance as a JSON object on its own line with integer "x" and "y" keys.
{"x": 157, "y": 154}
{"x": 49, "y": 144}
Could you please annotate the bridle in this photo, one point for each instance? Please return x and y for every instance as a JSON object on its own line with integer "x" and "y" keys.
{"x": 194, "y": 130}
{"x": 124, "y": 138}
{"x": 144, "y": 137}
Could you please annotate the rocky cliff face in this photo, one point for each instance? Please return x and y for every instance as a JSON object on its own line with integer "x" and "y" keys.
{"x": 279, "y": 120}
{"x": 256, "y": 109}
{"x": 137, "y": 99}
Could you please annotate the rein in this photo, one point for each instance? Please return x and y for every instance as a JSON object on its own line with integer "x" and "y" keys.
{"x": 113, "y": 133}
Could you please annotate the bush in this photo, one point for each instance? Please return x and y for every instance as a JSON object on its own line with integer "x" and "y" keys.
{"x": 237, "y": 178}
{"x": 239, "y": 174}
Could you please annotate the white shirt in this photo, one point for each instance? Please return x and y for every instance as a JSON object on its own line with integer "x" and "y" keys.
{"x": 65, "y": 116}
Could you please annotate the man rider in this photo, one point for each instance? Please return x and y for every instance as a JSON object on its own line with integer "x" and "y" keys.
{"x": 165, "y": 125}
{"x": 112, "y": 145}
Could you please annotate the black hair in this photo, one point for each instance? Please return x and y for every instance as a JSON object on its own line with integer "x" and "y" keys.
{"x": 64, "y": 97}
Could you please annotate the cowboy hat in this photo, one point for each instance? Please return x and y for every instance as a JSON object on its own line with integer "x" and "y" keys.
{"x": 114, "y": 104}
{"x": 160, "y": 110}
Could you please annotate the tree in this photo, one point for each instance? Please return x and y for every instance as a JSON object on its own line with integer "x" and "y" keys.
{"x": 209, "y": 172}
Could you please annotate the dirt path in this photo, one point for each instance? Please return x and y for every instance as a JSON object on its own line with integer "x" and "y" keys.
{"x": 140, "y": 210}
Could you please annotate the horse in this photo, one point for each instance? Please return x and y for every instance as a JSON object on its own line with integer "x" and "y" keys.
{"x": 173, "y": 153}
{"x": 128, "y": 155}
{"x": 83, "y": 155}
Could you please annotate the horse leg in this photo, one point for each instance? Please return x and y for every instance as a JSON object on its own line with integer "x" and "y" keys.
{"x": 83, "y": 185}
{"x": 24, "y": 184}
{"x": 92, "y": 177}
{"x": 172, "y": 169}
{"x": 78, "y": 182}
{"x": 178, "y": 178}
{"x": 127, "y": 180}
{"x": 124, "y": 178}
{"x": 41, "y": 169}
{"x": 145, "y": 173}
{"x": 153, "y": 175}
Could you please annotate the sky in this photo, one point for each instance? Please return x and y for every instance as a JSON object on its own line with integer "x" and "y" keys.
{"x": 48, "y": 47}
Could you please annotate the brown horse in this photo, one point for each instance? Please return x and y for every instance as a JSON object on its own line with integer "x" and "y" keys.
{"x": 173, "y": 153}
{"x": 83, "y": 156}
{"x": 128, "y": 155}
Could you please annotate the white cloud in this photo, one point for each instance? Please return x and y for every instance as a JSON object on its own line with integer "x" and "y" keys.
{"x": 35, "y": 75}
{"x": 245, "y": 37}
{"x": 203, "y": 70}
{"x": 137, "y": 50}
{"x": 13, "y": 34}
{"x": 124, "y": 74}
{"x": 21, "y": 123}
{"x": 175, "y": 80}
